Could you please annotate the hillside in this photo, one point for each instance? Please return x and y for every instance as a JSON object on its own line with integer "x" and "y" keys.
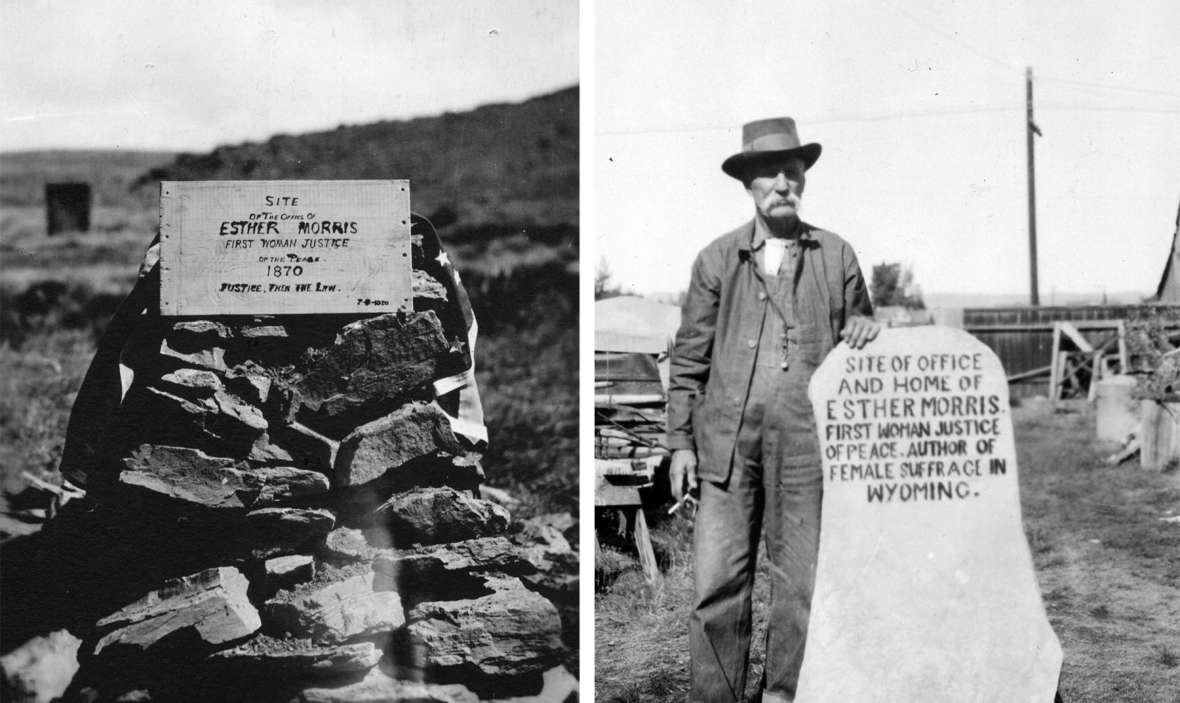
{"x": 500, "y": 182}
{"x": 498, "y": 165}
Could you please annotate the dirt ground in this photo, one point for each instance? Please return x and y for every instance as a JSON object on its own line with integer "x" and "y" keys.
{"x": 1108, "y": 567}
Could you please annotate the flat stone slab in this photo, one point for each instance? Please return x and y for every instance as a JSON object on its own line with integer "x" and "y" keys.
{"x": 452, "y": 571}
{"x": 412, "y": 431}
{"x": 373, "y": 362}
{"x": 192, "y": 476}
{"x": 426, "y": 564}
{"x": 558, "y": 684}
{"x": 220, "y": 423}
{"x": 277, "y": 531}
{"x": 212, "y": 603}
{"x": 925, "y": 589}
{"x": 378, "y": 687}
{"x": 288, "y": 571}
{"x": 198, "y": 383}
{"x": 40, "y": 670}
{"x": 435, "y": 515}
{"x": 508, "y": 633}
{"x": 307, "y": 448}
{"x": 346, "y": 545}
{"x": 207, "y": 358}
{"x": 301, "y": 657}
{"x": 336, "y": 612}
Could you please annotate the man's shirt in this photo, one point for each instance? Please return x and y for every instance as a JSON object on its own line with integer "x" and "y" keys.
{"x": 717, "y": 345}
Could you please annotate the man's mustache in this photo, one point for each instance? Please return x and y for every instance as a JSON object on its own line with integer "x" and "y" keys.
{"x": 792, "y": 200}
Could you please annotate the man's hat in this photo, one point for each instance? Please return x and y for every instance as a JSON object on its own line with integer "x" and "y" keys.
{"x": 769, "y": 139}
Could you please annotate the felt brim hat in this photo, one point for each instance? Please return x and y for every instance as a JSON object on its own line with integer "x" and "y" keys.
{"x": 766, "y": 140}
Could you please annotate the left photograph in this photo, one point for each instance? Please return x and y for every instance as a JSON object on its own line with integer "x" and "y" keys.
{"x": 289, "y": 352}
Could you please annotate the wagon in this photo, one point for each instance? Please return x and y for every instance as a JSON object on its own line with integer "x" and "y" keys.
{"x": 631, "y": 340}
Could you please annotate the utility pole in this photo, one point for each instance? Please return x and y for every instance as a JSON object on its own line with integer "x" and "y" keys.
{"x": 1029, "y": 128}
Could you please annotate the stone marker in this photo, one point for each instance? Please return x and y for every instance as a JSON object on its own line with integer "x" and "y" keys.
{"x": 925, "y": 589}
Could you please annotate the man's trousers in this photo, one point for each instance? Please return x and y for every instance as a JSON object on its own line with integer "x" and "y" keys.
{"x": 776, "y": 488}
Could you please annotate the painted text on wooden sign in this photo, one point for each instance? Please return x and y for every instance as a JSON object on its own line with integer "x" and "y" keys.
{"x": 284, "y": 247}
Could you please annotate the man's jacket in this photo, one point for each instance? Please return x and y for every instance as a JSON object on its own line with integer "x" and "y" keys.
{"x": 712, "y": 360}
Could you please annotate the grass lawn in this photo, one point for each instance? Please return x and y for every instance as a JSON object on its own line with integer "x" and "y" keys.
{"x": 1108, "y": 567}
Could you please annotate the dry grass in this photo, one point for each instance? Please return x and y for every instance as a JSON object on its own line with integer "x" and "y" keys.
{"x": 1109, "y": 568}
{"x": 1109, "y": 571}
{"x": 57, "y": 293}
{"x": 37, "y": 387}
{"x": 641, "y": 626}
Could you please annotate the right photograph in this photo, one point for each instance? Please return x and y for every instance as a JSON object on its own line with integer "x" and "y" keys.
{"x": 886, "y": 399}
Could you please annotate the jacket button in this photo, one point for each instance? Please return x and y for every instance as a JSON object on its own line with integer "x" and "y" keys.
{"x": 752, "y": 343}
{"x": 761, "y": 295}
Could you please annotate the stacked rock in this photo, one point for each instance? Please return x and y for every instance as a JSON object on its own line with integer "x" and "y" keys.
{"x": 285, "y": 512}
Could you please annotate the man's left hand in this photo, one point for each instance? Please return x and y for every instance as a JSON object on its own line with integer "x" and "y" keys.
{"x": 860, "y": 330}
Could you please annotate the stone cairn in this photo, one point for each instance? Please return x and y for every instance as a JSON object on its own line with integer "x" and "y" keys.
{"x": 286, "y": 514}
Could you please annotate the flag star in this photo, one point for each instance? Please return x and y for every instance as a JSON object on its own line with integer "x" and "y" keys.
{"x": 443, "y": 259}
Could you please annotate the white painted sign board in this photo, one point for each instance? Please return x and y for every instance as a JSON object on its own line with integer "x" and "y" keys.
{"x": 284, "y": 247}
{"x": 925, "y": 590}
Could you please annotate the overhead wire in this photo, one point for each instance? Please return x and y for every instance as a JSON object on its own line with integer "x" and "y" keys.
{"x": 953, "y": 36}
{"x": 1110, "y": 108}
{"x": 911, "y": 114}
{"x": 1107, "y": 86}
{"x": 952, "y": 111}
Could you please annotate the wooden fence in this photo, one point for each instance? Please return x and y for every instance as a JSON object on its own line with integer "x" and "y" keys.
{"x": 1023, "y": 336}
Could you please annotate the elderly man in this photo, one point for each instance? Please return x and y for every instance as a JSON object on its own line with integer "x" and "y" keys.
{"x": 766, "y": 303}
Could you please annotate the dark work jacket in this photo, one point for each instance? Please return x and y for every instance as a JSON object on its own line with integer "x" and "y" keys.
{"x": 712, "y": 360}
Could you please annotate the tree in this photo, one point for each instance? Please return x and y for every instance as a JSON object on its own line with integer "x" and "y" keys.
{"x": 893, "y": 285}
{"x": 604, "y": 287}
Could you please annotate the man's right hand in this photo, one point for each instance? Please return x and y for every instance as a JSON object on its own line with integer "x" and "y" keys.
{"x": 682, "y": 471}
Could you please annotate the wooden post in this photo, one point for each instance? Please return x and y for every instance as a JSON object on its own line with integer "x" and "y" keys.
{"x": 1029, "y": 128}
{"x": 1055, "y": 365}
{"x": 1095, "y": 375}
{"x": 1159, "y": 435}
{"x": 1124, "y": 366}
{"x": 647, "y": 556}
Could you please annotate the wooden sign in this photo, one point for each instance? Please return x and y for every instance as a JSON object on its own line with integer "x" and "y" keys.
{"x": 284, "y": 247}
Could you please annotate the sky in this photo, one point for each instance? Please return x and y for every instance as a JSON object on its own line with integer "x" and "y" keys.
{"x": 187, "y": 76}
{"x": 920, "y": 109}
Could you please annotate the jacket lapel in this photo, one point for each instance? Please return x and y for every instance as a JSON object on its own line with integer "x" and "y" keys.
{"x": 817, "y": 275}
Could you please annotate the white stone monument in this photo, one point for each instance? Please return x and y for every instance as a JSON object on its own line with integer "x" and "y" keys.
{"x": 925, "y": 589}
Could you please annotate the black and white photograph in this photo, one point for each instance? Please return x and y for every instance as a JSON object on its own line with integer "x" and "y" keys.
{"x": 864, "y": 385}
{"x": 885, "y": 352}
{"x": 289, "y": 351}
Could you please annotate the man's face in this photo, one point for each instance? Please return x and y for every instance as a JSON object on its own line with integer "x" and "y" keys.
{"x": 777, "y": 187}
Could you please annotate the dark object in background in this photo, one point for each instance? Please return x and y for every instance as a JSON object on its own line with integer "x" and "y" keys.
{"x": 67, "y": 207}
